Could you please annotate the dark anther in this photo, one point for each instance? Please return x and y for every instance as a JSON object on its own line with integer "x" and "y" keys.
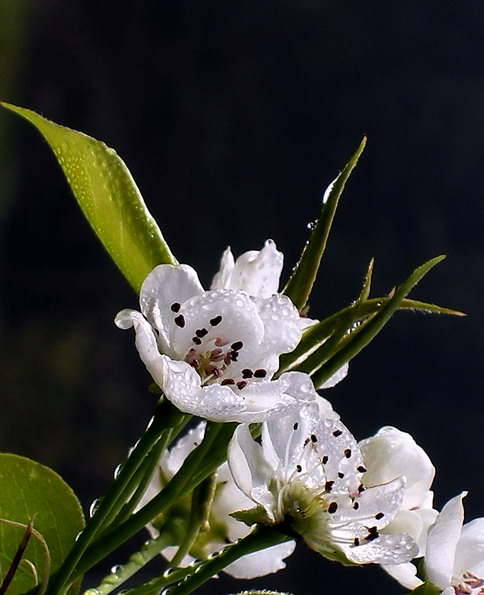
{"x": 333, "y": 507}
{"x": 295, "y": 426}
{"x": 348, "y": 453}
{"x": 356, "y": 505}
{"x": 175, "y": 307}
{"x": 337, "y": 433}
{"x": 216, "y": 320}
{"x": 260, "y": 373}
{"x": 314, "y": 438}
{"x": 241, "y": 384}
{"x": 298, "y": 468}
{"x": 379, "y": 516}
{"x": 361, "y": 469}
{"x": 197, "y": 340}
{"x": 180, "y": 320}
{"x": 201, "y": 332}
{"x": 227, "y": 381}
{"x": 246, "y": 373}
{"x": 361, "y": 488}
{"x": 328, "y": 486}
{"x": 325, "y": 459}
{"x": 237, "y": 346}
{"x": 340, "y": 474}
{"x": 356, "y": 541}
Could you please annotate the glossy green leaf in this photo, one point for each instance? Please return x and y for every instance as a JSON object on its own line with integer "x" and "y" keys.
{"x": 302, "y": 279}
{"x": 30, "y": 491}
{"x": 108, "y": 197}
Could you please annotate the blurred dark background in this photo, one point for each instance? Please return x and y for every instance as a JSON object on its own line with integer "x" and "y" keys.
{"x": 233, "y": 117}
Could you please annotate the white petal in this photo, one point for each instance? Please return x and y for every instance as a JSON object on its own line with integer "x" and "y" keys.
{"x": 222, "y": 279}
{"x": 405, "y": 574}
{"x": 442, "y": 542}
{"x": 167, "y": 285}
{"x": 175, "y": 457}
{"x": 392, "y": 453}
{"x": 261, "y": 563}
{"x": 257, "y": 273}
{"x": 250, "y": 469}
{"x": 240, "y": 321}
{"x": 282, "y": 330}
{"x": 386, "y": 549}
{"x": 470, "y": 549}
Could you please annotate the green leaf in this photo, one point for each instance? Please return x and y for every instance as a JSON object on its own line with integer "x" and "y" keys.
{"x": 362, "y": 335}
{"x": 108, "y": 197}
{"x": 302, "y": 279}
{"x": 31, "y": 491}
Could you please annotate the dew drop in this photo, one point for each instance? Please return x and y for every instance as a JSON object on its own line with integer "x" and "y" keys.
{"x": 94, "y": 506}
{"x": 115, "y": 569}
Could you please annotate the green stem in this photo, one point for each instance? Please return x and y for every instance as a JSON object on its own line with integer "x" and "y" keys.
{"x": 134, "y": 564}
{"x": 165, "y": 417}
{"x": 260, "y": 538}
{"x": 205, "y": 459}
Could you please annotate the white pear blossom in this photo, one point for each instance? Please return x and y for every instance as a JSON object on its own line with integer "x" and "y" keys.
{"x": 307, "y": 472}
{"x": 223, "y": 528}
{"x": 390, "y": 454}
{"x": 454, "y": 560}
{"x": 213, "y": 353}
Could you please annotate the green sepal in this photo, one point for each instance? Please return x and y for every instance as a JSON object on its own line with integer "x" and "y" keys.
{"x": 34, "y": 493}
{"x": 252, "y": 516}
{"x": 108, "y": 197}
{"x": 302, "y": 279}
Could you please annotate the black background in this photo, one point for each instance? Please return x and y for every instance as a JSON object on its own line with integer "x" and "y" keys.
{"x": 233, "y": 117}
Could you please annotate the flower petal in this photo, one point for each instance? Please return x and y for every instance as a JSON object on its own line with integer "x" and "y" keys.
{"x": 255, "y": 272}
{"x": 262, "y": 562}
{"x": 392, "y": 453}
{"x": 167, "y": 285}
{"x": 442, "y": 542}
{"x": 386, "y": 549}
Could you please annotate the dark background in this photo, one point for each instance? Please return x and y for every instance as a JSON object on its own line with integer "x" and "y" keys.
{"x": 233, "y": 117}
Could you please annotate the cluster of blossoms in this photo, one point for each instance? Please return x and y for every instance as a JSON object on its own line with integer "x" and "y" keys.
{"x": 215, "y": 355}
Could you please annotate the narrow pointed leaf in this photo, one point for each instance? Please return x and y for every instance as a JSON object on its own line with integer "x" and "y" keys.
{"x": 108, "y": 197}
{"x": 302, "y": 279}
{"x": 362, "y": 336}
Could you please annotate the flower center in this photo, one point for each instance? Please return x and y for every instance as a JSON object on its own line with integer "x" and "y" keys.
{"x": 470, "y": 585}
{"x": 212, "y": 356}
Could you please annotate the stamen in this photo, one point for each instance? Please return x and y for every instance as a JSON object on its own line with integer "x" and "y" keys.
{"x": 237, "y": 346}
{"x": 379, "y": 516}
{"x": 361, "y": 469}
{"x": 175, "y": 307}
{"x": 226, "y": 381}
{"x": 180, "y": 320}
{"x": 197, "y": 340}
{"x": 348, "y": 453}
{"x": 201, "y": 332}
{"x": 216, "y": 320}
{"x": 325, "y": 459}
{"x": 246, "y": 373}
{"x": 337, "y": 433}
{"x": 260, "y": 373}
{"x": 333, "y": 507}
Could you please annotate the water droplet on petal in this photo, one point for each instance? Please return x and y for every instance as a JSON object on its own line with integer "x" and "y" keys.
{"x": 94, "y": 506}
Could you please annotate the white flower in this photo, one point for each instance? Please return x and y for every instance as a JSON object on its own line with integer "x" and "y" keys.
{"x": 454, "y": 560}
{"x": 223, "y": 528}
{"x": 391, "y": 454}
{"x": 308, "y": 472}
{"x": 213, "y": 353}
